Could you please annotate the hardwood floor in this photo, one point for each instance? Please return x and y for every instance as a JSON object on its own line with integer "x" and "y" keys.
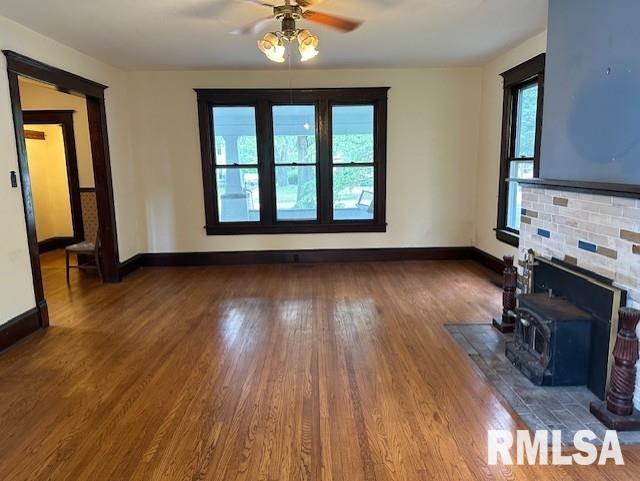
{"x": 338, "y": 372}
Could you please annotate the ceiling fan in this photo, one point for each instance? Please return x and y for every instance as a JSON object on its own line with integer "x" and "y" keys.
{"x": 273, "y": 43}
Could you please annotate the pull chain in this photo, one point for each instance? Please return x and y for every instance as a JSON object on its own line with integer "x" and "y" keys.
{"x": 290, "y": 75}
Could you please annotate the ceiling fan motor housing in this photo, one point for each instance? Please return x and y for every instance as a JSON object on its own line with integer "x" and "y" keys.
{"x": 289, "y": 27}
{"x": 288, "y": 14}
{"x": 293, "y": 12}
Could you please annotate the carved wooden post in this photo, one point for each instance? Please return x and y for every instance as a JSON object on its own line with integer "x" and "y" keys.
{"x": 509, "y": 284}
{"x": 623, "y": 377}
{"x": 617, "y": 411}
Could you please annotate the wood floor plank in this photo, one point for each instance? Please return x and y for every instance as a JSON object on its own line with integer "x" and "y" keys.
{"x": 337, "y": 372}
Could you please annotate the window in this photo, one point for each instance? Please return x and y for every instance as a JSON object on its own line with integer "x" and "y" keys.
{"x": 293, "y": 161}
{"x": 236, "y": 164}
{"x": 353, "y": 162}
{"x": 520, "y": 152}
{"x": 294, "y": 136}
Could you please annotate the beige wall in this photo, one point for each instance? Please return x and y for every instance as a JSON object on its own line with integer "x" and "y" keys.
{"x": 443, "y": 154}
{"x": 488, "y": 166}
{"x": 432, "y": 138}
{"x": 16, "y": 285}
{"x": 49, "y": 183}
{"x": 38, "y": 96}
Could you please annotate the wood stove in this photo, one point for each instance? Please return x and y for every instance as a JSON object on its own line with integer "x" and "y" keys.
{"x": 552, "y": 341}
{"x": 567, "y": 322}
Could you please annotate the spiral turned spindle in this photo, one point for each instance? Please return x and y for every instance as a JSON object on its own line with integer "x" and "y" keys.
{"x": 623, "y": 376}
{"x": 617, "y": 412}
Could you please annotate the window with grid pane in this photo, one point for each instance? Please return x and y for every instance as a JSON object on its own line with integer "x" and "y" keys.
{"x": 293, "y": 161}
{"x": 236, "y": 164}
{"x": 522, "y": 118}
{"x": 294, "y": 136}
{"x": 353, "y": 162}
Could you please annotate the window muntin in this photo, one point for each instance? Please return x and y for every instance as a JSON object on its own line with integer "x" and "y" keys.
{"x": 288, "y": 179}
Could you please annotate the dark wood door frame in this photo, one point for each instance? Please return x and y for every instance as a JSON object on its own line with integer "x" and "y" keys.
{"x": 19, "y": 65}
{"x": 64, "y": 118}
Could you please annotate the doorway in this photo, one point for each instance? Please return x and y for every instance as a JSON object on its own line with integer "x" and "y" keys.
{"x": 55, "y": 186}
{"x": 19, "y": 66}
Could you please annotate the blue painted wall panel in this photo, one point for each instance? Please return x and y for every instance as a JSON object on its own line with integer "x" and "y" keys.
{"x": 591, "y": 125}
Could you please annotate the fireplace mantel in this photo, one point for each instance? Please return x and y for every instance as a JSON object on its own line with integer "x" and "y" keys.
{"x": 597, "y": 188}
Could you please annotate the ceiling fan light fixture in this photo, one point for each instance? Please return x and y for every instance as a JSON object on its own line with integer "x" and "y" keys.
{"x": 278, "y": 56}
{"x": 273, "y": 47}
{"x": 307, "y": 39}
{"x": 273, "y": 44}
{"x": 307, "y": 53}
{"x": 307, "y": 44}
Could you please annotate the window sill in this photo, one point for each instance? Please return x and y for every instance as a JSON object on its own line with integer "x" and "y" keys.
{"x": 248, "y": 229}
{"x": 508, "y": 237}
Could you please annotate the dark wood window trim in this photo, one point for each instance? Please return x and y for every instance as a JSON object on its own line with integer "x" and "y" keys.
{"x": 531, "y": 71}
{"x": 263, "y": 100}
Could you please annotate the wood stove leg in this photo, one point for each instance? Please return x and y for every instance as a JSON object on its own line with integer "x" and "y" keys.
{"x": 506, "y": 323}
{"x": 617, "y": 412}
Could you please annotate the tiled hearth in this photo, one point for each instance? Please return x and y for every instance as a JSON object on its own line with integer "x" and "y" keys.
{"x": 550, "y": 408}
{"x": 597, "y": 232}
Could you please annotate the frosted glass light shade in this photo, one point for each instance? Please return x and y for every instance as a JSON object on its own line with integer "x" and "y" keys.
{"x": 271, "y": 45}
{"x": 308, "y": 44}
{"x": 307, "y": 53}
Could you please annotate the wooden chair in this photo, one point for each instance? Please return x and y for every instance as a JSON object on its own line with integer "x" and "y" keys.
{"x": 365, "y": 202}
{"x": 84, "y": 248}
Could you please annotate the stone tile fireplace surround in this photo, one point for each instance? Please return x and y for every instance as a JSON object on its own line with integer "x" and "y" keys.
{"x": 600, "y": 233}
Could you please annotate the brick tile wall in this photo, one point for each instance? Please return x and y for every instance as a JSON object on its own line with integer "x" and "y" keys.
{"x": 596, "y": 232}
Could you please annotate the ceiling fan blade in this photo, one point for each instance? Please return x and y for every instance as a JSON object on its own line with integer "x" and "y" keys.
{"x": 207, "y": 9}
{"x": 308, "y": 3}
{"x": 261, "y": 3}
{"x": 339, "y": 23}
{"x": 215, "y": 8}
{"x": 253, "y": 27}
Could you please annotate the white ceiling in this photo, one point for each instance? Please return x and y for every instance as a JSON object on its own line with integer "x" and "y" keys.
{"x": 193, "y": 34}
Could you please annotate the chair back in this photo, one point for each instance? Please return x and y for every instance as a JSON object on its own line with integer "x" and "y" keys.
{"x": 97, "y": 240}
{"x": 89, "y": 215}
